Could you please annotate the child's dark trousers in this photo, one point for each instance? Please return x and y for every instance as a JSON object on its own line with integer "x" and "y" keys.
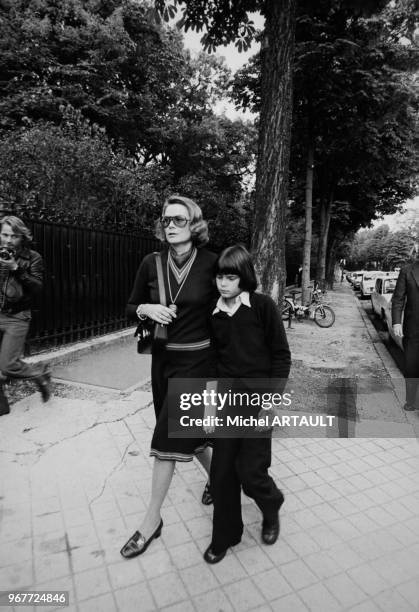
{"x": 236, "y": 463}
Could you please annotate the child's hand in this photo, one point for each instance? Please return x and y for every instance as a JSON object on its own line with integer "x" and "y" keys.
{"x": 267, "y": 416}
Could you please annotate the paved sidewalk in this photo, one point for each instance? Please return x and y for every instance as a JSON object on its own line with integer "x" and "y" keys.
{"x": 75, "y": 479}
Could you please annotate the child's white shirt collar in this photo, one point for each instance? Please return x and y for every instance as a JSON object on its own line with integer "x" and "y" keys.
{"x": 242, "y": 298}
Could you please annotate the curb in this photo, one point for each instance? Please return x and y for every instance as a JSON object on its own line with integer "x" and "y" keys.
{"x": 56, "y": 356}
{"x": 387, "y": 361}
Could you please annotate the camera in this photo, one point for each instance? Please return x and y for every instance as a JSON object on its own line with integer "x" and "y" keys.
{"x": 6, "y": 253}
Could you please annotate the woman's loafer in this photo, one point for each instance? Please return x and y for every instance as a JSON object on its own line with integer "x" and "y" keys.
{"x": 137, "y": 544}
{"x": 211, "y": 557}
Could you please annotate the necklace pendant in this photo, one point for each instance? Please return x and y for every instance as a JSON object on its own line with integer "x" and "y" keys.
{"x": 173, "y": 307}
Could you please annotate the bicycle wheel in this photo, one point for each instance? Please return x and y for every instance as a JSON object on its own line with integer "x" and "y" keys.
{"x": 285, "y": 310}
{"x": 324, "y": 316}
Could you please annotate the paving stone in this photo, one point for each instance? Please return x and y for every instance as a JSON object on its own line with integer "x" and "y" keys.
{"x": 298, "y": 574}
{"x": 185, "y": 555}
{"x": 19, "y": 575}
{"x": 318, "y": 599}
{"x": 103, "y": 603}
{"x": 199, "y": 579}
{"x": 136, "y": 597}
{"x": 213, "y": 600}
{"x": 308, "y": 519}
{"x": 325, "y": 537}
{"x": 272, "y": 584}
{"x": 243, "y": 595}
{"x": 155, "y": 562}
{"x": 365, "y": 606}
{"x": 302, "y": 543}
{"x": 344, "y": 589}
{"x": 182, "y": 606}
{"x": 370, "y": 581}
{"x": 289, "y": 602}
{"x": 391, "y": 600}
{"x": 175, "y": 534}
{"x": 322, "y": 564}
{"x": 167, "y": 589}
{"x": 87, "y": 557}
{"x": 125, "y": 574}
{"x": 92, "y": 583}
{"x": 254, "y": 560}
{"x": 409, "y": 590}
{"x": 16, "y": 551}
{"x": 52, "y": 566}
{"x": 81, "y": 535}
{"x": 280, "y": 553}
{"x": 344, "y": 528}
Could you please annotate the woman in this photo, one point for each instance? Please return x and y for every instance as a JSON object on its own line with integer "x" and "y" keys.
{"x": 188, "y": 273}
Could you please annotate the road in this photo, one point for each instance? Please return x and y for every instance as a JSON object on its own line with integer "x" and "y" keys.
{"x": 394, "y": 350}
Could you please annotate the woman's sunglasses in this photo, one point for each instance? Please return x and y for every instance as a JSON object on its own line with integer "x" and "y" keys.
{"x": 177, "y": 220}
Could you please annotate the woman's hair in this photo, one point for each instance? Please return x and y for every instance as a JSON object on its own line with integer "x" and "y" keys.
{"x": 18, "y": 228}
{"x": 237, "y": 260}
{"x": 197, "y": 225}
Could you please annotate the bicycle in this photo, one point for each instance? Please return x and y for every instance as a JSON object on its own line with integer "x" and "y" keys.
{"x": 322, "y": 315}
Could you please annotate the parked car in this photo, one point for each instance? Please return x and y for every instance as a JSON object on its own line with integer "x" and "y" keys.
{"x": 389, "y": 323}
{"x": 368, "y": 283}
{"x": 357, "y": 278}
{"x": 382, "y": 294}
{"x": 369, "y": 278}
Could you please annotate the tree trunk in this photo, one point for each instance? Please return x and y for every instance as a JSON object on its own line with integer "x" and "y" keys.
{"x": 268, "y": 240}
{"x": 331, "y": 264}
{"x": 325, "y": 216}
{"x": 305, "y": 280}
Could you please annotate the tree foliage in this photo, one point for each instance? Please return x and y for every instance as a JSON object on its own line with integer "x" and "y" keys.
{"x": 104, "y": 113}
{"x": 71, "y": 174}
{"x": 355, "y": 106}
{"x": 381, "y": 248}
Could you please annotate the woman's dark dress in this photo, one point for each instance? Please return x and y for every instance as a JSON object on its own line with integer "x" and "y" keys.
{"x": 188, "y": 353}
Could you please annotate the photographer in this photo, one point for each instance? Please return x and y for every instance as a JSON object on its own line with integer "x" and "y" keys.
{"x": 21, "y": 277}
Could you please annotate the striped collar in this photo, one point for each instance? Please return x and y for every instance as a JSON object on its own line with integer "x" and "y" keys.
{"x": 180, "y": 272}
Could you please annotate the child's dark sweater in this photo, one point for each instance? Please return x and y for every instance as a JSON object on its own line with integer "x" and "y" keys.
{"x": 252, "y": 343}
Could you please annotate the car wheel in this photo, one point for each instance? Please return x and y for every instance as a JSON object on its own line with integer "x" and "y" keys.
{"x": 384, "y": 320}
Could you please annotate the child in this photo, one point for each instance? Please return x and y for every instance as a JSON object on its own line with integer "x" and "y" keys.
{"x": 250, "y": 342}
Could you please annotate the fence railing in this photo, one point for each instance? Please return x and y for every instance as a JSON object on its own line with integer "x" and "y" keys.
{"x": 88, "y": 278}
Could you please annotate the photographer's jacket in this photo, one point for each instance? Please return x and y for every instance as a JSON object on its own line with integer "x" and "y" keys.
{"x": 18, "y": 287}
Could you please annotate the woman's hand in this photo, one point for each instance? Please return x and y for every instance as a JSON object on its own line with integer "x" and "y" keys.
{"x": 267, "y": 416}
{"x": 158, "y": 313}
{"x": 398, "y": 330}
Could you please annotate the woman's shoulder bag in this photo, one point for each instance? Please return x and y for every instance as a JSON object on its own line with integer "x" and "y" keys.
{"x": 148, "y": 331}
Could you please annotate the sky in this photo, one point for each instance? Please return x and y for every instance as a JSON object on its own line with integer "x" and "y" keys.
{"x": 400, "y": 220}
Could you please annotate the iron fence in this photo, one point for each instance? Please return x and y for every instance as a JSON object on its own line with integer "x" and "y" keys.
{"x": 88, "y": 277}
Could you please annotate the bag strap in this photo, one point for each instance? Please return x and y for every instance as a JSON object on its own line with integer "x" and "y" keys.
{"x": 160, "y": 280}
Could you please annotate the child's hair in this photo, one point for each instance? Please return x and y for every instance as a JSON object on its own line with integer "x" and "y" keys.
{"x": 236, "y": 260}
